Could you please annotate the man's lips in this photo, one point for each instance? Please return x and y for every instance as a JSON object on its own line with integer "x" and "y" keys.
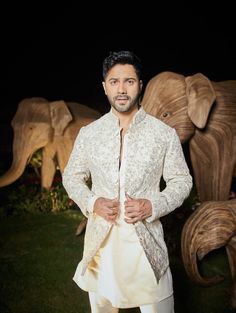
{"x": 122, "y": 98}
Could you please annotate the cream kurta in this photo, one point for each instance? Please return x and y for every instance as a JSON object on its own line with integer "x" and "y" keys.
{"x": 121, "y": 272}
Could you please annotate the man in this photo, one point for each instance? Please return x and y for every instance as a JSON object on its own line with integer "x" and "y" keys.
{"x": 125, "y": 153}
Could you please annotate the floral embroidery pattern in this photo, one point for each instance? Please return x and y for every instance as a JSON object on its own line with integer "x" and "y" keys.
{"x": 153, "y": 150}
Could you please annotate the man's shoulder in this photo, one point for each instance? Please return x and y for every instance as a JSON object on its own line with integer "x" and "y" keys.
{"x": 98, "y": 123}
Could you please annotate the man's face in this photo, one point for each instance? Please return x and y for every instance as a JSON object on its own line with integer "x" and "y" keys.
{"x": 122, "y": 87}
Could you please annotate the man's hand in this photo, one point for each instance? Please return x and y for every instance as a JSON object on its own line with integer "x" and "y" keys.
{"x": 107, "y": 208}
{"x": 137, "y": 209}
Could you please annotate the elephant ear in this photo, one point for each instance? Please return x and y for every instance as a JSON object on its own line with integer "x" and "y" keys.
{"x": 201, "y": 96}
{"x": 60, "y": 116}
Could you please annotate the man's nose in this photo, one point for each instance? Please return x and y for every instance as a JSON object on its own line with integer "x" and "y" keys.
{"x": 121, "y": 88}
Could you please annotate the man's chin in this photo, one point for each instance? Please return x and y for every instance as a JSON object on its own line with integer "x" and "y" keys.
{"x": 122, "y": 108}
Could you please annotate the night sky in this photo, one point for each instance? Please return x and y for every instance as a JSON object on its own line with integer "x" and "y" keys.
{"x": 54, "y": 54}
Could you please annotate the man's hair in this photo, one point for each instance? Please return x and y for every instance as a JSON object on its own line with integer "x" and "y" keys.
{"x": 121, "y": 57}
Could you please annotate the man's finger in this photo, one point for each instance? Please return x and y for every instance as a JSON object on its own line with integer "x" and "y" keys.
{"x": 115, "y": 199}
{"x": 128, "y": 197}
{"x": 131, "y": 220}
{"x": 112, "y": 204}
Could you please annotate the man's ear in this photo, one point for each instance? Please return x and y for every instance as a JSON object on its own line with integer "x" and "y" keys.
{"x": 141, "y": 85}
{"x": 104, "y": 87}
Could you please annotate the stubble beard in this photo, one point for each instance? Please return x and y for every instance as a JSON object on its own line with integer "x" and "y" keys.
{"x": 124, "y": 107}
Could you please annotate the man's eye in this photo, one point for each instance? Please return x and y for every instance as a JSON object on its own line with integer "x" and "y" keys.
{"x": 165, "y": 114}
{"x": 130, "y": 82}
{"x": 113, "y": 82}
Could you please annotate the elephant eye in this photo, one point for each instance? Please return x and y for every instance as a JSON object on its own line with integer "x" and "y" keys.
{"x": 165, "y": 114}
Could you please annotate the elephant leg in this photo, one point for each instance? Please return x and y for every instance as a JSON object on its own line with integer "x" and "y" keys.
{"x": 63, "y": 149}
{"x": 81, "y": 227}
{"x": 48, "y": 168}
{"x": 231, "y": 253}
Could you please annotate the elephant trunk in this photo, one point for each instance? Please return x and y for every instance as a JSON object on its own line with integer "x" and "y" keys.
{"x": 231, "y": 252}
{"x": 210, "y": 227}
{"x": 16, "y": 170}
{"x": 11, "y": 175}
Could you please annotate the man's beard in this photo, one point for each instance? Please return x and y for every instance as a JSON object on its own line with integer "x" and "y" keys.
{"x": 121, "y": 108}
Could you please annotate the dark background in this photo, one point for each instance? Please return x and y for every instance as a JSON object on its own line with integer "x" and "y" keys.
{"x": 57, "y": 52}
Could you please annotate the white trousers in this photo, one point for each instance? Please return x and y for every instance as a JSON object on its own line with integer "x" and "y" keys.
{"x": 99, "y": 304}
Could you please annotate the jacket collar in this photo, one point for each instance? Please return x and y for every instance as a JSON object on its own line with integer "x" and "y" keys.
{"x": 139, "y": 117}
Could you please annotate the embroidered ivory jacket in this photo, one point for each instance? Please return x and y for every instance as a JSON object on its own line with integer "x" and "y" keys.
{"x": 153, "y": 151}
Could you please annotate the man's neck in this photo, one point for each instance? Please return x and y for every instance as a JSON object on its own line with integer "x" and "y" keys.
{"x": 125, "y": 118}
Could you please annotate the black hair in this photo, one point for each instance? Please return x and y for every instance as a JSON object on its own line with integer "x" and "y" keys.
{"x": 121, "y": 57}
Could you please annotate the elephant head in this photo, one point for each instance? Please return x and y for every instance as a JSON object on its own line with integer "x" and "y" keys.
{"x": 52, "y": 126}
{"x": 204, "y": 114}
{"x": 211, "y": 226}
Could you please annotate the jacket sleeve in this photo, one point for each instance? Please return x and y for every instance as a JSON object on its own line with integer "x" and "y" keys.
{"x": 177, "y": 179}
{"x": 76, "y": 174}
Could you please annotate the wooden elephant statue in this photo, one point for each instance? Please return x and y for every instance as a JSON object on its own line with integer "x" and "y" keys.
{"x": 51, "y": 126}
{"x": 203, "y": 113}
{"x": 211, "y": 226}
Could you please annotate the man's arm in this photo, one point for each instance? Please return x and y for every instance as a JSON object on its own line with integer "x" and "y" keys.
{"x": 177, "y": 178}
{"x": 76, "y": 175}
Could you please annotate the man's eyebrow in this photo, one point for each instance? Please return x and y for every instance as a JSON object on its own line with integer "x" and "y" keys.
{"x": 112, "y": 78}
{"x": 126, "y": 78}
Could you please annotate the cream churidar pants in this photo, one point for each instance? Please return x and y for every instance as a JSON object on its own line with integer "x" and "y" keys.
{"x": 99, "y": 304}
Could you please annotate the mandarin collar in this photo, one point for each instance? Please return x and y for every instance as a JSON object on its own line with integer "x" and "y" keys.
{"x": 138, "y": 117}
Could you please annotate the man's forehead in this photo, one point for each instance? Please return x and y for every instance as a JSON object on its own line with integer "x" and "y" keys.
{"x": 121, "y": 71}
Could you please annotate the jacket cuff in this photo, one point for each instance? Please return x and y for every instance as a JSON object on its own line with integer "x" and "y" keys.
{"x": 158, "y": 208}
{"x": 91, "y": 202}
